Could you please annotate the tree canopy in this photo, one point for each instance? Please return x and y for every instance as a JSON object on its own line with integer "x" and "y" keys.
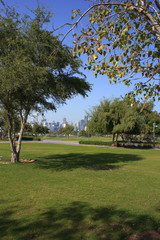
{"x": 122, "y": 41}
{"x": 118, "y": 117}
{"x": 67, "y": 130}
{"x": 37, "y": 72}
{"x": 39, "y": 129}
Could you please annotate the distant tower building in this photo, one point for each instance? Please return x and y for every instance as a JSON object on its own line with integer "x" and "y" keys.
{"x": 82, "y": 124}
{"x": 70, "y": 123}
{"x": 64, "y": 120}
{"x": 44, "y": 123}
{"x": 86, "y": 119}
{"x": 64, "y": 123}
{"x": 76, "y": 128}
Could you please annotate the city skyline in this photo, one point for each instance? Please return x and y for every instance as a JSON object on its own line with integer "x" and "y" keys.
{"x": 55, "y": 126}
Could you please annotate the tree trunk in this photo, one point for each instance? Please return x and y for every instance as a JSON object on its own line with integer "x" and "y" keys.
{"x": 116, "y": 141}
{"x": 15, "y": 151}
{"x": 14, "y": 155}
{"x": 122, "y": 136}
{"x": 18, "y": 149}
{"x": 117, "y": 137}
{"x": 113, "y": 137}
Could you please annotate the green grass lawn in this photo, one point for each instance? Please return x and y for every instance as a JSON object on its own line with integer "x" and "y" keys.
{"x": 79, "y": 193}
{"x": 74, "y": 138}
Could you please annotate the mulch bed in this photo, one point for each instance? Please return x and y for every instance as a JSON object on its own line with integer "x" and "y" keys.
{"x": 22, "y": 161}
{"x": 5, "y": 162}
{"x": 27, "y": 161}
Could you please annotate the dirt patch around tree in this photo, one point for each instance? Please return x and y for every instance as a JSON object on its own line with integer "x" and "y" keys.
{"x": 21, "y": 161}
{"x": 27, "y": 160}
{"x": 5, "y": 162}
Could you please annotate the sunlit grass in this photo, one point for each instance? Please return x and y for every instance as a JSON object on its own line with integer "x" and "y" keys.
{"x": 77, "y": 192}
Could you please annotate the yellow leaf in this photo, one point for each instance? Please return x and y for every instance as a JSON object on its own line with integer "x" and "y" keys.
{"x": 94, "y": 56}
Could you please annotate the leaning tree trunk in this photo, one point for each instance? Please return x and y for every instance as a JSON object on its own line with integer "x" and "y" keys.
{"x": 18, "y": 149}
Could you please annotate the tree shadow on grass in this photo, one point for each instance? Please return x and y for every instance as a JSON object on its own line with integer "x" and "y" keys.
{"x": 7, "y": 221}
{"x": 99, "y": 161}
{"x": 77, "y": 221}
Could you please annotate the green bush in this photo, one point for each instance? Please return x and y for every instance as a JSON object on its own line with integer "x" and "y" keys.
{"x": 135, "y": 144}
{"x": 30, "y": 138}
{"x": 142, "y": 145}
{"x": 95, "y": 143}
{"x": 36, "y": 139}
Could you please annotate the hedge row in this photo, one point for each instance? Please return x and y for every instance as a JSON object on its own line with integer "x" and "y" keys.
{"x": 135, "y": 145}
{"x": 30, "y": 138}
{"x": 95, "y": 143}
{"x": 120, "y": 144}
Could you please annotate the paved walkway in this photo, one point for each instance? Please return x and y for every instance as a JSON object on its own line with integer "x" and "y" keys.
{"x": 69, "y": 143}
{"x": 61, "y": 142}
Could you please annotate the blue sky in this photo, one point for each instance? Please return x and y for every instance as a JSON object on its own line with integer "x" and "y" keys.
{"x": 76, "y": 108}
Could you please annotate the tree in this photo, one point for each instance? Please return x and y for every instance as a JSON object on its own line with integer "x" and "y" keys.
{"x": 1, "y": 123}
{"x": 39, "y": 129}
{"x": 28, "y": 128}
{"x": 126, "y": 118}
{"x": 118, "y": 117}
{"x": 37, "y": 72}
{"x": 122, "y": 41}
{"x": 99, "y": 118}
{"x": 83, "y": 133}
{"x": 67, "y": 130}
{"x": 150, "y": 117}
{"x": 4, "y": 123}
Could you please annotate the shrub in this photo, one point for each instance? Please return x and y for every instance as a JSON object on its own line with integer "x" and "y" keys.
{"x": 135, "y": 144}
{"x": 30, "y": 138}
{"x": 95, "y": 143}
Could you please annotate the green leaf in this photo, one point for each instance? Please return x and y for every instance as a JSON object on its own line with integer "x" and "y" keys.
{"x": 149, "y": 53}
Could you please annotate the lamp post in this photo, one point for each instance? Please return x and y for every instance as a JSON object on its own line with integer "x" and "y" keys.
{"x": 154, "y": 134}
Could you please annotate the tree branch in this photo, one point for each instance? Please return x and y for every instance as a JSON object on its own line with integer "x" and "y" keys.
{"x": 70, "y": 24}
{"x": 88, "y": 10}
{"x": 141, "y": 9}
{"x": 157, "y": 2}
